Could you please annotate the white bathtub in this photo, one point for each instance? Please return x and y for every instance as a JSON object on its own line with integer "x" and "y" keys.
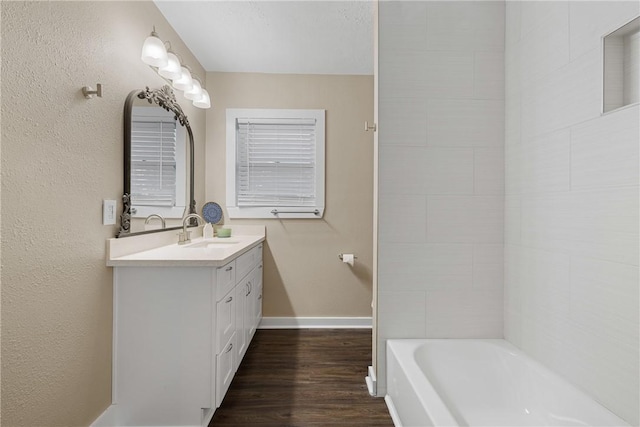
{"x": 481, "y": 383}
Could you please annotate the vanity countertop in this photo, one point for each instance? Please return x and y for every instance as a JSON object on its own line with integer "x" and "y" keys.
{"x": 153, "y": 250}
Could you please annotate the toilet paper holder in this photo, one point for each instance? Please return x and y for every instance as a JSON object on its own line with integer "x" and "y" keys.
{"x": 340, "y": 257}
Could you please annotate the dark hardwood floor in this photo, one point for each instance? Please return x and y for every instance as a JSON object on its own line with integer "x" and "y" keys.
{"x": 305, "y": 377}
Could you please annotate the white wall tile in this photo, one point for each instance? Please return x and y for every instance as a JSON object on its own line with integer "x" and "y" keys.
{"x": 488, "y": 170}
{"x": 409, "y": 170}
{"x": 402, "y": 218}
{"x": 604, "y": 299}
{"x": 401, "y": 314}
{"x": 513, "y": 25}
{"x": 606, "y": 368}
{"x": 404, "y": 122}
{"x": 465, "y": 26}
{"x": 420, "y": 86}
{"x": 545, "y": 163}
{"x": 489, "y": 75}
{"x": 465, "y": 123}
{"x": 515, "y": 276}
{"x": 546, "y": 285}
{"x": 572, "y": 204}
{"x": 537, "y": 16}
{"x": 406, "y": 266}
{"x": 545, "y": 221}
{"x": 425, "y": 74}
{"x": 465, "y": 219}
{"x": 605, "y": 151}
{"x": 590, "y": 20}
{"x": 464, "y": 314}
{"x": 604, "y": 224}
{"x": 567, "y": 97}
{"x": 488, "y": 266}
{"x": 402, "y": 25}
{"x": 512, "y": 219}
{"x": 513, "y": 171}
{"x": 544, "y": 44}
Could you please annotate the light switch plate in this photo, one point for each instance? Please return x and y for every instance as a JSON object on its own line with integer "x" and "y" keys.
{"x": 108, "y": 212}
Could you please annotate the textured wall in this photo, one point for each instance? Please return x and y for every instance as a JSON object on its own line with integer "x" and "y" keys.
{"x": 61, "y": 155}
{"x": 572, "y": 184}
{"x": 440, "y": 197}
{"x": 303, "y": 276}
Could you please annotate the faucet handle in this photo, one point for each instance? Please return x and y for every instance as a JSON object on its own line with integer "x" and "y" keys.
{"x": 184, "y": 237}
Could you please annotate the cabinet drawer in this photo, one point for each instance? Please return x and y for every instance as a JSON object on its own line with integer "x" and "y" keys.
{"x": 225, "y": 279}
{"x": 245, "y": 263}
{"x": 225, "y": 369}
{"x": 257, "y": 253}
{"x": 225, "y": 319}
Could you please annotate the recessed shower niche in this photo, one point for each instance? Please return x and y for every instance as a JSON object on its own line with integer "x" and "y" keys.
{"x": 621, "y": 50}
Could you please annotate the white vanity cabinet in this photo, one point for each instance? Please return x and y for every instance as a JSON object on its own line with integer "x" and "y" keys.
{"x": 179, "y": 336}
{"x": 248, "y": 297}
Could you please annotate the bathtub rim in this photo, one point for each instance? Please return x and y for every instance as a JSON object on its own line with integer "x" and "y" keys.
{"x": 432, "y": 403}
{"x": 411, "y": 345}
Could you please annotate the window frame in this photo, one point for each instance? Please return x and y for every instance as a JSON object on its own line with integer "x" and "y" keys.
{"x": 266, "y": 212}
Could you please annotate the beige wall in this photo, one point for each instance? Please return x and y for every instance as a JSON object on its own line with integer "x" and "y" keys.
{"x": 303, "y": 276}
{"x": 61, "y": 156}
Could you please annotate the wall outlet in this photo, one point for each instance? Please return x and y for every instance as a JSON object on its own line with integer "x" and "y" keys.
{"x": 108, "y": 212}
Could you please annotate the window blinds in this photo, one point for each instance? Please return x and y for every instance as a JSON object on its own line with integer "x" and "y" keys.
{"x": 153, "y": 162}
{"x": 276, "y": 162}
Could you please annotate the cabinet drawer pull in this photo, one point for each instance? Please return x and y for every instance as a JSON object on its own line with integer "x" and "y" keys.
{"x": 260, "y": 296}
{"x": 249, "y": 286}
{"x": 260, "y": 267}
{"x": 230, "y": 347}
{"x": 228, "y": 268}
{"x": 229, "y": 299}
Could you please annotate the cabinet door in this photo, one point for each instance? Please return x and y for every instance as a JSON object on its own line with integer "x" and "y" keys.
{"x": 255, "y": 304}
{"x": 225, "y": 319}
{"x": 225, "y": 368}
{"x": 258, "y": 307}
{"x": 241, "y": 323}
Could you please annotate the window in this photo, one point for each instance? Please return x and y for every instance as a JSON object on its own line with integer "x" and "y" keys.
{"x": 275, "y": 163}
{"x": 158, "y": 164}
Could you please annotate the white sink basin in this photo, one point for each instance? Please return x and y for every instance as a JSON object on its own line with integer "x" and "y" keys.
{"x": 211, "y": 244}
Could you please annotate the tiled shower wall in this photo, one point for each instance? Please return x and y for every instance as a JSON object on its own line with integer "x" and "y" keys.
{"x": 571, "y": 241}
{"x": 441, "y": 173}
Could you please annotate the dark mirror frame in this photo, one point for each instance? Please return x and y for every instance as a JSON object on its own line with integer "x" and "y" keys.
{"x": 165, "y": 98}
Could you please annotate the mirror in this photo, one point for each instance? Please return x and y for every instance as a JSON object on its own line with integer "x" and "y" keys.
{"x": 157, "y": 179}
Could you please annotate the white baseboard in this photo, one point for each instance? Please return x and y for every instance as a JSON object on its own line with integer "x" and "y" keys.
{"x": 107, "y": 419}
{"x": 315, "y": 323}
{"x": 371, "y": 381}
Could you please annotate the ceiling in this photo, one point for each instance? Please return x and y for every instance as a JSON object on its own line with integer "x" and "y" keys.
{"x": 291, "y": 37}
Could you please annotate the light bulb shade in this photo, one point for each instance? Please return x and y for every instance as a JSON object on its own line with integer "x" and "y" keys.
{"x": 195, "y": 92}
{"x": 173, "y": 69}
{"x": 204, "y": 101}
{"x": 154, "y": 52}
{"x": 185, "y": 82}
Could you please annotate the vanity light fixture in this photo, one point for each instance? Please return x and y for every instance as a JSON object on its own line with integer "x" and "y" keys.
{"x": 153, "y": 51}
{"x": 204, "y": 101}
{"x": 172, "y": 70}
{"x": 185, "y": 81}
{"x": 168, "y": 66}
{"x": 195, "y": 92}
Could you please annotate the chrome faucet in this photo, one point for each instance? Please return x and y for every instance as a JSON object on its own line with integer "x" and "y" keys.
{"x": 150, "y": 217}
{"x": 185, "y": 236}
